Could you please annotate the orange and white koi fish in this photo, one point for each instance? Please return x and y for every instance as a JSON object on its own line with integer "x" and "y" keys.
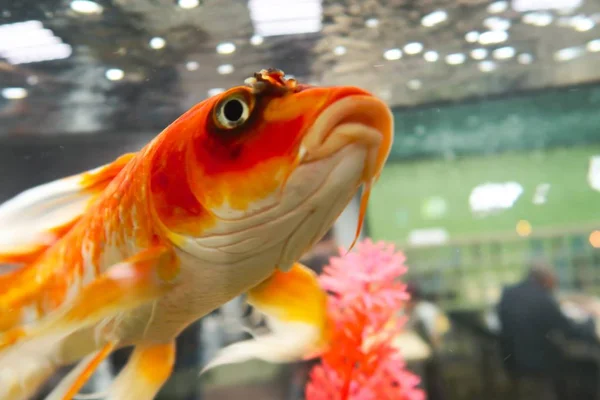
{"x": 223, "y": 202}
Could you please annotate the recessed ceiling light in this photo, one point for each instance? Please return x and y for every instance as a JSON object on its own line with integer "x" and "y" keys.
{"x": 434, "y": 18}
{"x": 256, "y": 40}
{"x": 339, "y": 50}
{"x": 272, "y": 18}
{"x": 487, "y": 66}
{"x": 413, "y": 48}
{"x": 472, "y": 36}
{"x": 392, "y": 54}
{"x": 497, "y": 7}
{"x": 582, "y": 24}
{"x": 493, "y": 37}
{"x": 25, "y": 55}
{"x": 504, "y": 53}
{"x": 455, "y": 58}
{"x": 479, "y": 54}
{"x": 187, "y": 4}
{"x": 431, "y": 56}
{"x": 14, "y": 93}
{"x": 192, "y": 65}
{"x": 530, "y": 5}
{"x": 157, "y": 43}
{"x": 496, "y": 24}
{"x": 33, "y": 80}
{"x": 215, "y": 91}
{"x": 114, "y": 74}
{"x": 372, "y": 23}
{"x": 525, "y": 58}
{"x": 538, "y": 18}
{"x": 385, "y": 94}
{"x": 225, "y": 48}
{"x": 225, "y": 69}
{"x": 568, "y": 53}
{"x": 28, "y": 42}
{"x": 414, "y": 84}
{"x": 593, "y": 45}
{"x": 86, "y": 7}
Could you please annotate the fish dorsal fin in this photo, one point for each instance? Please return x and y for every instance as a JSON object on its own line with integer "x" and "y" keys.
{"x": 33, "y": 220}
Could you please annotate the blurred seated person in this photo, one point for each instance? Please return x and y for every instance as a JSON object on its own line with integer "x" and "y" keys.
{"x": 529, "y": 315}
{"x": 425, "y": 316}
{"x": 431, "y": 323}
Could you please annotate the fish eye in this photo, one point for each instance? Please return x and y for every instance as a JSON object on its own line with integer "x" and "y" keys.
{"x": 232, "y": 112}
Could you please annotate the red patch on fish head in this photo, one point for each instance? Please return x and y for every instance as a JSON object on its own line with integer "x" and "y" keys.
{"x": 234, "y": 149}
{"x": 249, "y": 141}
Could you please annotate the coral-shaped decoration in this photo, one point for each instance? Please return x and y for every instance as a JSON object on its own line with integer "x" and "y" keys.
{"x": 365, "y": 295}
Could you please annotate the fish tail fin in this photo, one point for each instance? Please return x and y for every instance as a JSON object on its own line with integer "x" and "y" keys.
{"x": 147, "y": 370}
{"x": 296, "y": 309}
{"x": 137, "y": 280}
{"x": 69, "y": 386}
{"x": 35, "y": 219}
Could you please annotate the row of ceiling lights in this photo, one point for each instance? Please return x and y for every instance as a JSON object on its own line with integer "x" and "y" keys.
{"x": 91, "y": 7}
{"x": 225, "y": 48}
{"x": 496, "y": 34}
{"x": 157, "y": 43}
{"x": 501, "y": 53}
{"x": 115, "y": 74}
{"x": 269, "y": 18}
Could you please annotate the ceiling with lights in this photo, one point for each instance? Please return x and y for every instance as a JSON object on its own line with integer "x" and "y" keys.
{"x": 81, "y": 66}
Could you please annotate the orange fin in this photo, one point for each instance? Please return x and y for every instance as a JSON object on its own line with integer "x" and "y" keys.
{"x": 147, "y": 370}
{"x": 36, "y": 218}
{"x": 296, "y": 309}
{"x": 124, "y": 286}
{"x": 71, "y": 384}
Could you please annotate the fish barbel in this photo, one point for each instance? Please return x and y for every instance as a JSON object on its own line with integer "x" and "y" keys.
{"x": 222, "y": 203}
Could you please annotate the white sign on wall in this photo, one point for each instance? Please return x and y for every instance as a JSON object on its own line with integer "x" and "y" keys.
{"x": 493, "y": 197}
{"x": 594, "y": 173}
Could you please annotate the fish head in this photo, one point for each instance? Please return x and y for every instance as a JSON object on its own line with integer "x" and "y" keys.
{"x": 263, "y": 170}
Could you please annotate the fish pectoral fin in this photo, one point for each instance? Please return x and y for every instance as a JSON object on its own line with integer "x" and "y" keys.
{"x": 147, "y": 370}
{"x": 140, "y": 279}
{"x": 296, "y": 309}
{"x": 33, "y": 220}
{"x": 71, "y": 384}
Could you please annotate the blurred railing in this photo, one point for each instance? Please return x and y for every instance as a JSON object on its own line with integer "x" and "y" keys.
{"x": 471, "y": 274}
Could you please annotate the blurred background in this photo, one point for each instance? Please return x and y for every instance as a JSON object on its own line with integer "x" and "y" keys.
{"x": 495, "y": 167}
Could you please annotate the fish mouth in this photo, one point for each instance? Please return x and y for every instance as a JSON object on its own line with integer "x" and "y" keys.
{"x": 354, "y": 119}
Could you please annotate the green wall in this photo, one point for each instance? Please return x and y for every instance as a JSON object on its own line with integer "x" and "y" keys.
{"x": 536, "y": 120}
{"x": 441, "y": 153}
{"x": 435, "y": 193}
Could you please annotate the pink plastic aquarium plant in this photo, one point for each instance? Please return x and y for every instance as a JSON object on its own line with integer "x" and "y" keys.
{"x": 365, "y": 295}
